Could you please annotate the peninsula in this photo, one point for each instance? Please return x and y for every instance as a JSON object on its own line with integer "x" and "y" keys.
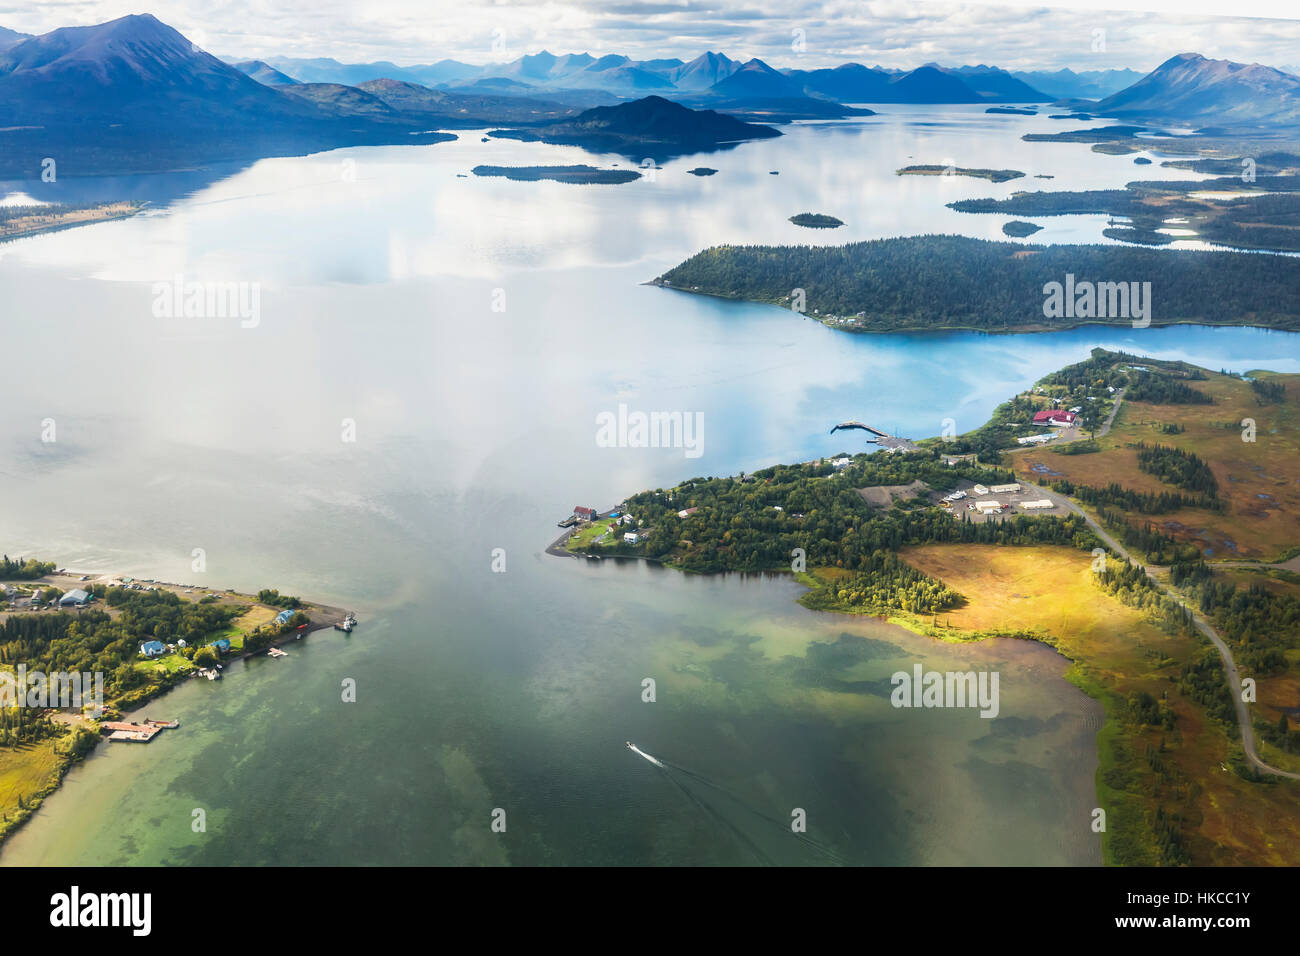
{"x": 1117, "y": 557}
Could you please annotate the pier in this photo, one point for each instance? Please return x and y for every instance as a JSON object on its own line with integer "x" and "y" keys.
{"x": 121, "y": 731}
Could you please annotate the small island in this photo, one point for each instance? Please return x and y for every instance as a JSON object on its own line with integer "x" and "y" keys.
{"x": 816, "y": 220}
{"x": 1142, "y": 161}
{"x": 701, "y": 171}
{"x": 992, "y": 175}
{"x": 1012, "y": 110}
{"x": 1019, "y": 229}
{"x": 589, "y": 175}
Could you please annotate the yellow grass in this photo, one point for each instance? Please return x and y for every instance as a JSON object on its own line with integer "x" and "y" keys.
{"x": 1048, "y": 591}
{"x": 27, "y": 771}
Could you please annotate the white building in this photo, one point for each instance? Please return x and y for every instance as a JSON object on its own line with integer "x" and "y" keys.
{"x": 986, "y": 506}
{"x": 1040, "y": 505}
{"x": 980, "y": 490}
{"x": 1005, "y": 489}
{"x": 631, "y": 537}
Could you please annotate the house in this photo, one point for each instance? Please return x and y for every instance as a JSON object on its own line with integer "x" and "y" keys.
{"x": 631, "y": 537}
{"x": 74, "y": 598}
{"x": 839, "y": 463}
{"x": 1005, "y": 489}
{"x": 153, "y": 648}
{"x": 980, "y": 490}
{"x": 221, "y": 646}
{"x": 284, "y": 616}
{"x": 584, "y": 514}
{"x": 1054, "y": 417}
{"x": 687, "y": 512}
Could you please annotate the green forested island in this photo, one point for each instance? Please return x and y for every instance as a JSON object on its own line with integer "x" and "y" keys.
{"x": 954, "y": 282}
{"x": 816, "y": 220}
{"x": 992, "y": 175}
{"x": 560, "y": 174}
{"x": 1020, "y": 229}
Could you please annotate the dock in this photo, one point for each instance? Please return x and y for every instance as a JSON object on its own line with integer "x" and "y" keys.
{"x": 881, "y": 438}
{"x": 121, "y": 731}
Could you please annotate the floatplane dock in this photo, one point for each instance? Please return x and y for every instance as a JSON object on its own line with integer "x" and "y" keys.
{"x": 126, "y": 732}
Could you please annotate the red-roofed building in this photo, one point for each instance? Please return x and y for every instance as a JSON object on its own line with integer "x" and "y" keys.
{"x": 1054, "y": 417}
{"x": 584, "y": 514}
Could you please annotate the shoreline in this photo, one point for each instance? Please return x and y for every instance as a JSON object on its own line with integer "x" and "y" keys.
{"x": 319, "y": 617}
{"x": 942, "y": 329}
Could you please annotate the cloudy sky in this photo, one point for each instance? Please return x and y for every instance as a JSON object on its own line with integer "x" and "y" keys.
{"x": 892, "y": 33}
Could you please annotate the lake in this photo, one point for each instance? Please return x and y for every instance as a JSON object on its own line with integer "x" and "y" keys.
{"x": 466, "y": 333}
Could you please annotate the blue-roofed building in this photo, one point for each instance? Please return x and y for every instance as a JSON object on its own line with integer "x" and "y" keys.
{"x": 153, "y": 648}
{"x": 222, "y": 645}
{"x": 284, "y": 616}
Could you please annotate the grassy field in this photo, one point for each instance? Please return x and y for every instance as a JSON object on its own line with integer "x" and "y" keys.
{"x": 591, "y": 532}
{"x": 28, "y": 772}
{"x": 1048, "y": 592}
{"x": 1260, "y": 480}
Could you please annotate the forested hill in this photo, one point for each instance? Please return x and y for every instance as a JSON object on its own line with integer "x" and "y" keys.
{"x": 943, "y": 282}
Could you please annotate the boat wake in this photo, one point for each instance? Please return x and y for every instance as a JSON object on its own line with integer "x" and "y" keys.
{"x": 637, "y": 750}
{"x": 674, "y": 771}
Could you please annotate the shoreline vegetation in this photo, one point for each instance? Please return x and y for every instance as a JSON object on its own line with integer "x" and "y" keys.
{"x": 874, "y": 534}
{"x": 939, "y": 283}
{"x": 992, "y": 175}
{"x": 17, "y": 222}
{"x": 144, "y": 638}
{"x": 1260, "y": 215}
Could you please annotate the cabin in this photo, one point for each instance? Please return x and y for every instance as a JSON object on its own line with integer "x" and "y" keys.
{"x": 153, "y": 649}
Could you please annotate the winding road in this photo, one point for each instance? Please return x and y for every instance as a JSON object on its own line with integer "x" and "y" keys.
{"x": 1202, "y": 625}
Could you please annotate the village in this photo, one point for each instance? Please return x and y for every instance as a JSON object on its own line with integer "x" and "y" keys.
{"x": 259, "y": 624}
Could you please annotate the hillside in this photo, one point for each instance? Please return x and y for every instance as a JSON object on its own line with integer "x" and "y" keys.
{"x": 1191, "y": 88}
{"x": 651, "y": 126}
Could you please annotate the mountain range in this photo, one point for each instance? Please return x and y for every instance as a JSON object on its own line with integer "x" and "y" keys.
{"x": 134, "y": 94}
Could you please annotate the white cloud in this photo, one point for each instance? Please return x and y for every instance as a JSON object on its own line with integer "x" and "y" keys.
{"x": 1013, "y": 34}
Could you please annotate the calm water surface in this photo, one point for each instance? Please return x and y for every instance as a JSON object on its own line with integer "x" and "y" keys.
{"x": 378, "y": 270}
